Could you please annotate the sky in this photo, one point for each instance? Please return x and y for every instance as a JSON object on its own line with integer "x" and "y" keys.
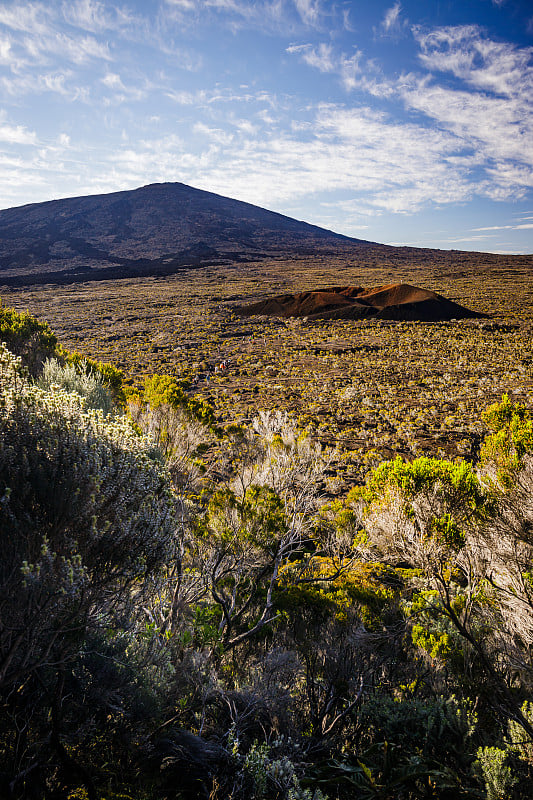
{"x": 407, "y": 123}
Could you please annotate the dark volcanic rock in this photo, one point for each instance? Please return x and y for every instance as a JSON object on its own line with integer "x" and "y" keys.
{"x": 396, "y": 301}
{"x": 154, "y": 230}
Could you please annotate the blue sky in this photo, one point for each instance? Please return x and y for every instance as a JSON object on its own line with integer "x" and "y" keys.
{"x": 400, "y": 122}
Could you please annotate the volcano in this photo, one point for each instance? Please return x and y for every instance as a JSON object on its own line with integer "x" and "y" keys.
{"x": 395, "y": 301}
{"x": 155, "y": 230}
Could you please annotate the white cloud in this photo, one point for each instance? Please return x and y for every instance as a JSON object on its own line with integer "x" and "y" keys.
{"x": 492, "y": 118}
{"x": 122, "y": 93}
{"x": 31, "y": 18}
{"x": 272, "y": 16}
{"x": 506, "y": 227}
{"x": 184, "y": 98}
{"x": 320, "y": 57}
{"x": 392, "y": 23}
{"x": 186, "y": 5}
{"x": 498, "y": 67}
{"x": 6, "y": 55}
{"x": 392, "y": 18}
{"x": 309, "y": 11}
{"x": 89, "y": 15}
{"x": 113, "y": 81}
{"x": 216, "y": 135}
{"x": 77, "y": 50}
{"x": 499, "y": 129}
{"x": 385, "y": 165}
{"x": 353, "y": 72}
{"x": 17, "y": 134}
{"x": 47, "y": 82}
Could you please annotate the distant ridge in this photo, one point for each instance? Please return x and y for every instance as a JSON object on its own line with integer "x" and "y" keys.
{"x": 154, "y": 230}
{"x": 398, "y": 301}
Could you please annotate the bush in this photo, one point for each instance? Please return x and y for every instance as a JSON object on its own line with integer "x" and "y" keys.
{"x": 89, "y": 385}
{"x": 27, "y": 337}
{"x": 86, "y": 514}
{"x": 87, "y": 521}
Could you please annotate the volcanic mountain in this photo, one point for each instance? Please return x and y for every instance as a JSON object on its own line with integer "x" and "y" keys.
{"x": 398, "y": 301}
{"x": 155, "y": 230}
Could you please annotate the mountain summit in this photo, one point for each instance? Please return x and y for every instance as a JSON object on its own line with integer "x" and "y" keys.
{"x": 155, "y": 230}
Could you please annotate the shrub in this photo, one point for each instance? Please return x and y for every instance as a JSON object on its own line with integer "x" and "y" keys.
{"x": 497, "y": 774}
{"x": 503, "y": 451}
{"x": 27, "y": 337}
{"x": 89, "y": 385}
{"x": 86, "y": 519}
{"x": 111, "y": 377}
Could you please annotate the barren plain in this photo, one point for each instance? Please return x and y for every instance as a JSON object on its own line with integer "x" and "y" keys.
{"x": 367, "y": 389}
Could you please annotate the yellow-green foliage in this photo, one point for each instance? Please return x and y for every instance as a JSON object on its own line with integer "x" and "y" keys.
{"x": 432, "y": 633}
{"x": 162, "y": 390}
{"x": 458, "y": 497}
{"x": 111, "y": 376}
{"x": 457, "y": 479}
{"x": 18, "y": 327}
{"x": 34, "y": 341}
{"x": 27, "y": 337}
{"x": 366, "y": 587}
{"x": 511, "y": 440}
{"x": 257, "y": 519}
{"x": 493, "y": 764}
{"x": 446, "y": 530}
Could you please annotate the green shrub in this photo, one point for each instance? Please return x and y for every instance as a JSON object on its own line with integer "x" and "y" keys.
{"x": 89, "y": 385}
{"x": 111, "y": 377}
{"x": 497, "y": 774}
{"x": 86, "y": 516}
{"x": 503, "y": 451}
{"x": 27, "y": 337}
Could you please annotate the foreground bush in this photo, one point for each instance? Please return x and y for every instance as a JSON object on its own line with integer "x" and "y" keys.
{"x": 86, "y": 523}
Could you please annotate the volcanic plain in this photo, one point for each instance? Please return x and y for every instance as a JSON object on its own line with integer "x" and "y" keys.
{"x": 366, "y": 388}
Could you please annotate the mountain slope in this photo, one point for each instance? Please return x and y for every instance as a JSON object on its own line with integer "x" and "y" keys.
{"x": 153, "y": 230}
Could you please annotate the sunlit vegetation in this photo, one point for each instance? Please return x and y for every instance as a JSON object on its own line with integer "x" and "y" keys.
{"x": 368, "y": 390}
{"x": 197, "y": 601}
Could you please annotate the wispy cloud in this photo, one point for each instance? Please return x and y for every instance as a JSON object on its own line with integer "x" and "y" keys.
{"x": 392, "y": 24}
{"x": 31, "y": 18}
{"x": 89, "y": 15}
{"x": 463, "y": 51}
{"x": 309, "y": 11}
{"x": 353, "y": 70}
{"x": 6, "y": 55}
{"x": 60, "y": 83}
{"x": 121, "y": 92}
{"x": 96, "y": 17}
{"x": 265, "y": 15}
{"x": 386, "y": 166}
{"x": 77, "y": 50}
{"x": 320, "y": 57}
{"x": 493, "y": 118}
{"x": 526, "y": 226}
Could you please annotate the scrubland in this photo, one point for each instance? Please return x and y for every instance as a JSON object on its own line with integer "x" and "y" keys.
{"x": 366, "y": 389}
{"x": 304, "y": 576}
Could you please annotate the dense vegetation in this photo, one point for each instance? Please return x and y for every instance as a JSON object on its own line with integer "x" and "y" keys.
{"x": 184, "y": 615}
